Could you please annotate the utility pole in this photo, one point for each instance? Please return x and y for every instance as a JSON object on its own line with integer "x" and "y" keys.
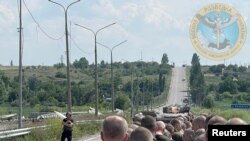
{"x": 67, "y": 51}
{"x": 61, "y": 58}
{"x": 96, "y": 68}
{"x": 20, "y": 67}
{"x": 112, "y": 74}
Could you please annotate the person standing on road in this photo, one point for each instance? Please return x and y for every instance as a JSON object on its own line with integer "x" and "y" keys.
{"x": 67, "y": 127}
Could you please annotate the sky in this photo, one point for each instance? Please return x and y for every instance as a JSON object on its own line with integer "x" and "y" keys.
{"x": 150, "y": 28}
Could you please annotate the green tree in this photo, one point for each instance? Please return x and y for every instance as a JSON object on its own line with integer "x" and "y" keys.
{"x": 208, "y": 101}
{"x": 242, "y": 69}
{"x": 59, "y": 65}
{"x": 228, "y": 85}
{"x": 164, "y": 60}
{"x": 33, "y": 83}
{"x": 81, "y": 64}
{"x": 161, "y": 82}
{"x": 197, "y": 82}
{"x": 122, "y": 102}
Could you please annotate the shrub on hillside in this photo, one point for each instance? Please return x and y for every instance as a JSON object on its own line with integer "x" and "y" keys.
{"x": 60, "y": 75}
{"x": 208, "y": 101}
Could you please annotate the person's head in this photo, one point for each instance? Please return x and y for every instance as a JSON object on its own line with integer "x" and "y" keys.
{"x": 183, "y": 126}
{"x": 131, "y": 127}
{"x": 176, "y": 124}
{"x": 114, "y": 128}
{"x": 180, "y": 118}
{"x": 188, "y": 124}
{"x": 68, "y": 115}
{"x": 199, "y": 132}
{"x": 200, "y": 138}
{"x": 217, "y": 120}
{"x": 160, "y": 127}
{"x": 177, "y": 136}
{"x": 140, "y": 134}
{"x": 149, "y": 122}
{"x": 188, "y": 135}
{"x": 170, "y": 128}
{"x": 137, "y": 119}
{"x": 236, "y": 121}
{"x": 199, "y": 122}
{"x": 208, "y": 118}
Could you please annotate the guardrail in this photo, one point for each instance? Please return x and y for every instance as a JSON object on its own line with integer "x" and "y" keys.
{"x": 17, "y": 132}
{"x": 14, "y": 133}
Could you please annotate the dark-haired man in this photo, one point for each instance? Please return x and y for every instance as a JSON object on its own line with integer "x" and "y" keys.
{"x": 67, "y": 127}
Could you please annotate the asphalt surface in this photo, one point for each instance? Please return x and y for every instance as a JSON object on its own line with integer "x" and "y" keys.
{"x": 177, "y": 92}
{"x": 178, "y": 88}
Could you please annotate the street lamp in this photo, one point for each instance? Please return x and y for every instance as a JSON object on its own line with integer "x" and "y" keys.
{"x": 96, "y": 71}
{"x": 112, "y": 76}
{"x": 67, "y": 50}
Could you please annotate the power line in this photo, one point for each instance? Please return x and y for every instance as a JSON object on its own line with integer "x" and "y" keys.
{"x": 38, "y": 25}
{"x": 74, "y": 42}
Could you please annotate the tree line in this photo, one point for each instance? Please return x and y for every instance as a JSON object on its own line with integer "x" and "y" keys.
{"x": 145, "y": 79}
{"x": 234, "y": 83}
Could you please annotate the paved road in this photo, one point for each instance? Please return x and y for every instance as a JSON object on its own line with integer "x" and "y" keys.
{"x": 178, "y": 87}
{"x": 177, "y": 92}
{"x": 90, "y": 138}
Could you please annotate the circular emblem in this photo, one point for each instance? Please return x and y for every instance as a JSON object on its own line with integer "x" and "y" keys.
{"x": 218, "y": 31}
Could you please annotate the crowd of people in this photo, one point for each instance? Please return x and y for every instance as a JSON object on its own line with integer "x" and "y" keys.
{"x": 148, "y": 128}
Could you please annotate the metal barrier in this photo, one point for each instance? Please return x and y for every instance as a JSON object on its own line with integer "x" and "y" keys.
{"x": 14, "y": 133}
{"x": 17, "y": 132}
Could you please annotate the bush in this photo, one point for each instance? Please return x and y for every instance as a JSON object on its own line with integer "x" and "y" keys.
{"x": 47, "y": 109}
{"x": 208, "y": 101}
{"x": 227, "y": 95}
{"x": 122, "y": 102}
{"x": 60, "y": 75}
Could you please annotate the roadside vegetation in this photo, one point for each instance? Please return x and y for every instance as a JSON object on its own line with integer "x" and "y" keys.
{"x": 45, "y": 87}
{"x": 214, "y": 88}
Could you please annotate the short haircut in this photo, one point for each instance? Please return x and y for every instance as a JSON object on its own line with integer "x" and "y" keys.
{"x": 148, "y": 122}
{"x": 217, "y": 119}
{"x": 236, "y": 121}
{"x": 114, "y": 127}
{"x": 200, "y": 132}
{"x": 175, "y": 121}
{"x": 170, "y": 128}
{"x": 141, "y": 134}
{"x": 188, "y": 133}
{"x": 177, "y": 136}
{"x": 160, "y": 125}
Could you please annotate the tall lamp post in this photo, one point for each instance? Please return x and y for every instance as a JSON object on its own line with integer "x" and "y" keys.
{"x": 96, "y": 69}
{"x": 67, "y": 50}
{"x": 112, "y": 74}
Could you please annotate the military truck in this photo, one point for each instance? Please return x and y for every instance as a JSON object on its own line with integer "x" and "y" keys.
{"x": 176, "y": 109}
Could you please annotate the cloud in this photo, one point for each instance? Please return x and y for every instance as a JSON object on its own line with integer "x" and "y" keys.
{"x": 7, "y": 14}
{"x": 154, "y": 12}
